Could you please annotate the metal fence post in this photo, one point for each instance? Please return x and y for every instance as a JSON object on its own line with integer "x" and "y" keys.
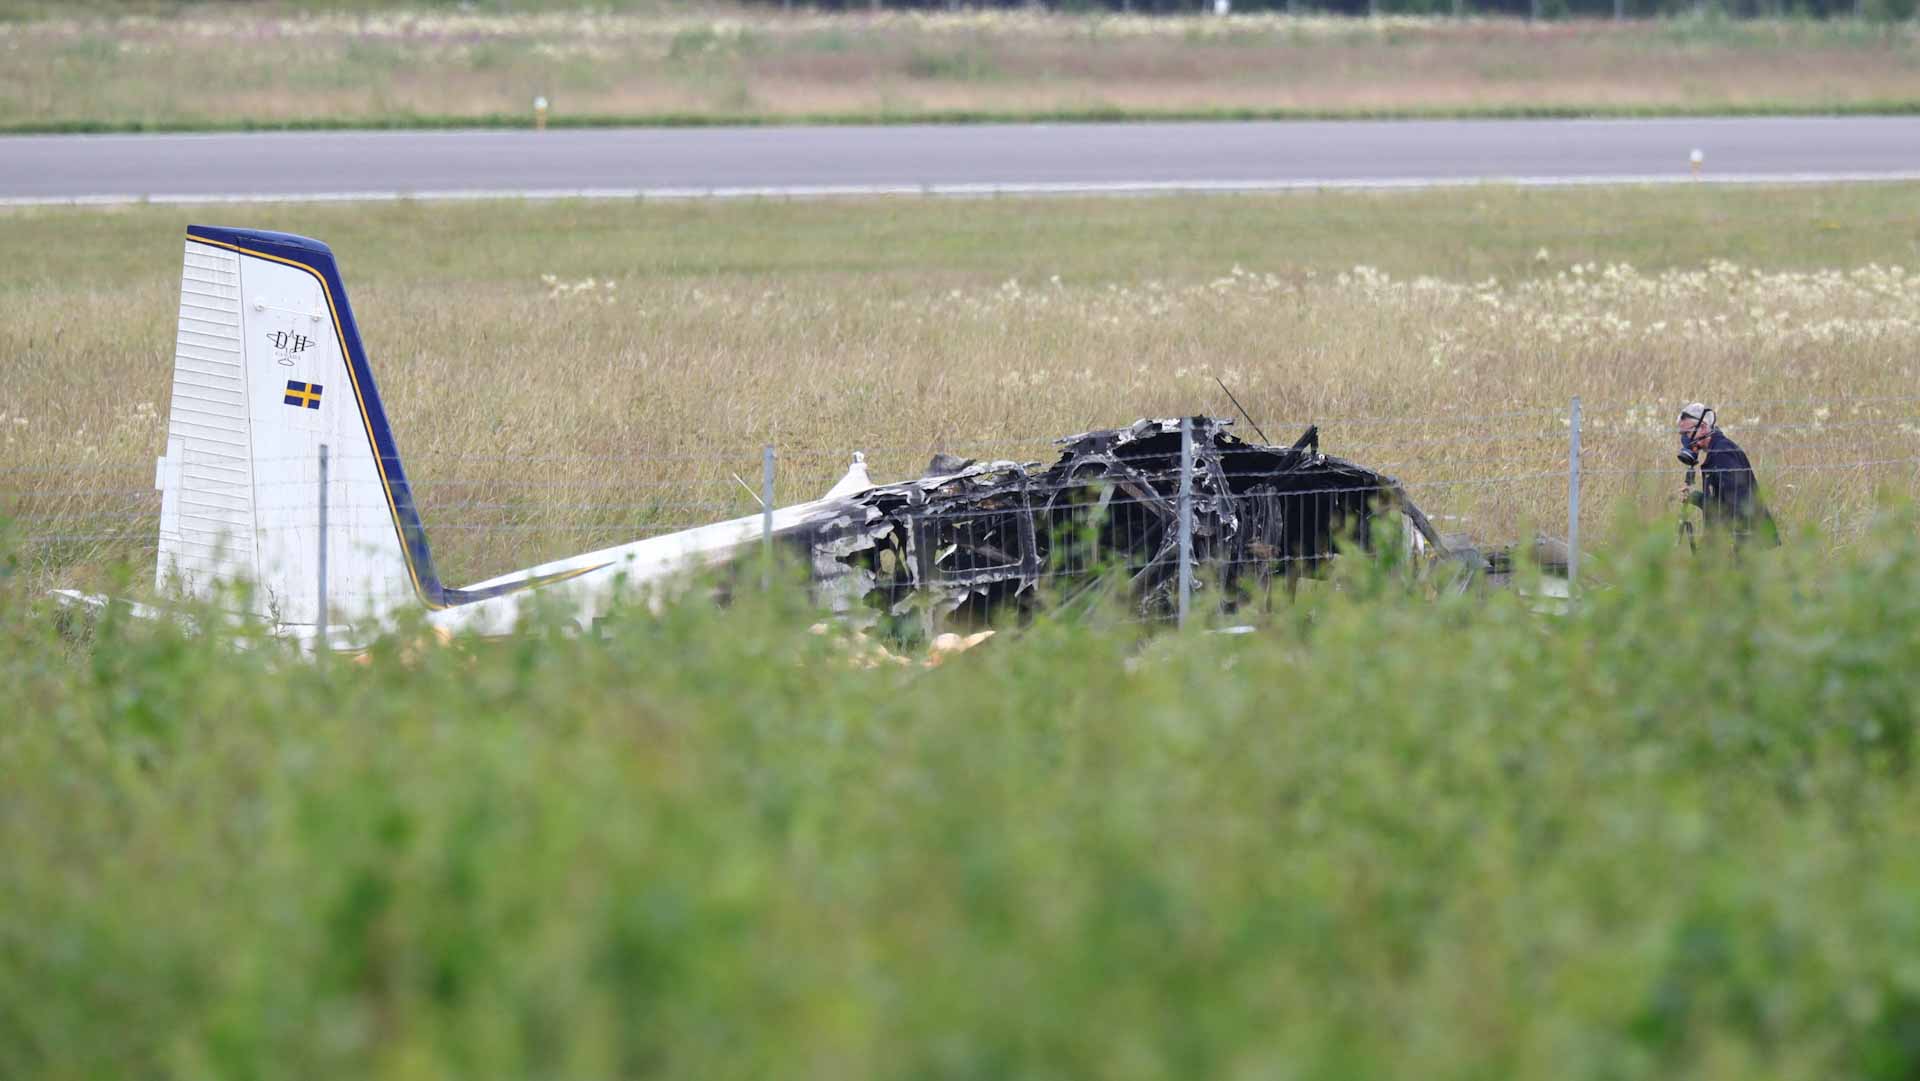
{"x": 1186, "y": 517}
{"x": 321, "y": 619}
{"x": 1573, "y": 493}
{"x": 766, "y": 516}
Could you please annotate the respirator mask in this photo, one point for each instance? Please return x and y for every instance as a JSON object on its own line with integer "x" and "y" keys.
{"x": 1702, "y": 421}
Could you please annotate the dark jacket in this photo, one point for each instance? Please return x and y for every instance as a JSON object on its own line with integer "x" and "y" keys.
{"x": 1729, "y": 496}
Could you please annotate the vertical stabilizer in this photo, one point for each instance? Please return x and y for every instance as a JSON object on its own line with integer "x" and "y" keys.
{"x": 268, "y": 368}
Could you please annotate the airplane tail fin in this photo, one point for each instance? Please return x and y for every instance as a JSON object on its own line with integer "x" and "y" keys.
{"x": 268, "y": 369}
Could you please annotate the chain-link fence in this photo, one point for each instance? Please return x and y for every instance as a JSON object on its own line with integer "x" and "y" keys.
{"x": 1000, "y": 519}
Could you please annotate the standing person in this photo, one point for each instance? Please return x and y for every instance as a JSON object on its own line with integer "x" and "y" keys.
{"x": 1729, "y": 496}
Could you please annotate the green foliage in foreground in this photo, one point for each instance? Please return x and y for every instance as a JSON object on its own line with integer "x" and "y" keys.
{"x": 1672, "y": 833}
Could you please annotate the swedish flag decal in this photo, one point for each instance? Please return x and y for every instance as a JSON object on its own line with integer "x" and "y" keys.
{"x": 303, "y": 394}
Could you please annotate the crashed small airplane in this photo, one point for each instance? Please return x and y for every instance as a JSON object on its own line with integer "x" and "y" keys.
{"x": 269, "y": 368}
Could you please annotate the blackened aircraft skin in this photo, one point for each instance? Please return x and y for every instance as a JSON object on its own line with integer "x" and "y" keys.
{"x": 982, "y": 536}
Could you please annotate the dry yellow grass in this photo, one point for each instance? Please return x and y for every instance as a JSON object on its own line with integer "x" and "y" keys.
{"x": 562, "y": 376}
{"x": 226, "y": 63}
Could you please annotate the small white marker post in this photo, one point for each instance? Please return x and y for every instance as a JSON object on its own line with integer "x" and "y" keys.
{"x": 1696, "y": 159}
{"x": 540, "y": 113}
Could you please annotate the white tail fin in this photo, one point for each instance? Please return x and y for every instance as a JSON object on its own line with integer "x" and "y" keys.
{"x": 268, "y": 369}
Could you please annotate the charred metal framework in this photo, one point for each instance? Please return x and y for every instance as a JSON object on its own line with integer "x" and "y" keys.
{"x": 970, "y": 539}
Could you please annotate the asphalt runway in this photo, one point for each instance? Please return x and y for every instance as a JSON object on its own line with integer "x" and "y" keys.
{"x": 908, "y": 159}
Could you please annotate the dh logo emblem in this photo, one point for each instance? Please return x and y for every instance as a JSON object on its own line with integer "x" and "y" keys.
{"x": 288, "y": 343}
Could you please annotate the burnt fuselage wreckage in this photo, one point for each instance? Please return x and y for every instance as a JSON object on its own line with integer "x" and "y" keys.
{"x": 971, "y": 541}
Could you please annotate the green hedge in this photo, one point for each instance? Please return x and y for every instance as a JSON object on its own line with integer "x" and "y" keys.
{"x": 1668, "y": 834}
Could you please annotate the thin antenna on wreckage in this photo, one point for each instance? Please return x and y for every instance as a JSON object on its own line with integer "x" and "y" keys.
{"x": 1244, "y": 413}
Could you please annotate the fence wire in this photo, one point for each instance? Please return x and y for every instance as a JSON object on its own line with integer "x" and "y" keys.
{"x": 1483, "y": 478}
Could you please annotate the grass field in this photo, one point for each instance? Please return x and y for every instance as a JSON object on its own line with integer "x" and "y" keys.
{"x": 563, "y": 376}
{"x": 223, "y": 65}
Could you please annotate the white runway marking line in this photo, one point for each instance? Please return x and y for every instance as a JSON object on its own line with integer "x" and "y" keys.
{"x": 966, "y": 190}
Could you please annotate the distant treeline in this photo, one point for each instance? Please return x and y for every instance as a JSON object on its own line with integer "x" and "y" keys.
{"x": 1886, "y": 10}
